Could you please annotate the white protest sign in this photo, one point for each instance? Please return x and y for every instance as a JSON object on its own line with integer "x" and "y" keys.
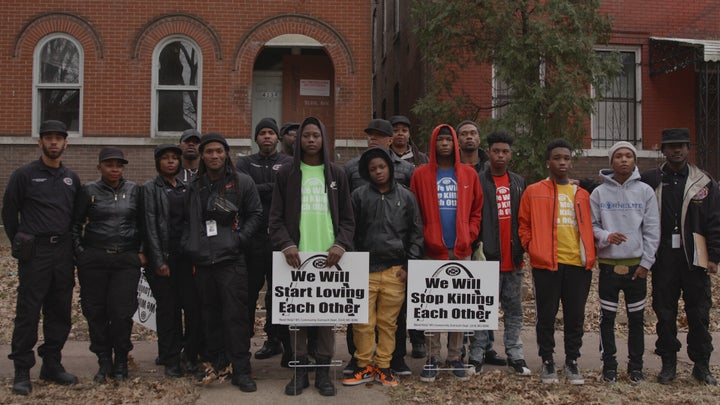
{"x": 315, "y": 295}
{"x": 145, "y": 313}
{"x": 452, "y": 295}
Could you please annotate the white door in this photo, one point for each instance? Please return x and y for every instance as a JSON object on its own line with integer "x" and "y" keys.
{"x": 266, "y": 99}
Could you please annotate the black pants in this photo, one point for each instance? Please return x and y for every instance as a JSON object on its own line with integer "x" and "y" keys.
{"x": 259, "y": 265}
{"x": 635, "y": 292}
{"x": 671, "y": 275}
{"x": 178, "y": 311}
{"x": 108, "y": 296}
{"x": 45, "y": 283}
{"x": 569, "y": 285}
{"x": 224, "y": 295}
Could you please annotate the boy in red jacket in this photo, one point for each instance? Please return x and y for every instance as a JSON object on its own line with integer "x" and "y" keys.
{"x": 450, "y": 200}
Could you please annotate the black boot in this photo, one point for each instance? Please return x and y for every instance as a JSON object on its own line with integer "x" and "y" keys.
{"x": 244, "y": 382}
{"x": 21, "y": 385}
{"x": 53, "y": 371}
{"x": 270, "y": 348}
{"x": 669, "y": 369}
{"x": 701, "y": 372}
{"x": 300, "y": 379}
{"x": 173, "y": 369}
{"x": 322, "y": 379}
{"x": 120, "y": 367}
{"x": 105, "y": 363}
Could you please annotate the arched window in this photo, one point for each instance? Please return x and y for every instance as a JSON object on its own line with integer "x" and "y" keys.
{"x": 177, "y": 79}
{"x": 58, "y": 82}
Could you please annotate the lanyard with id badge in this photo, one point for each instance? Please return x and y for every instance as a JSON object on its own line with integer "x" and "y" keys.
{"x": 219, "y": 210}
{"x": 211, "y": 227}
{"x": 675, "y": 237}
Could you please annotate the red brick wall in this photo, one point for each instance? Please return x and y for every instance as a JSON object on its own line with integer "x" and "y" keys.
{"x": 667, "y": 100}
{"x": 118, "y": 38}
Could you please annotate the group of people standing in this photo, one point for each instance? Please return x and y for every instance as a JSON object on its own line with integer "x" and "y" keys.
{"x": 205, "y": 230}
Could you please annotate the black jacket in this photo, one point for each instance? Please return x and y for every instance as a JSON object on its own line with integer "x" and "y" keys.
{"x": 284, "y": 222}
{"x": 235, "y": 224}
{"x": 489, "y": 228}
{"x": 403, "y": 171}
{"x": 157, "y": 224}
{"x": 107, "y": 218}
{"x": 263, "y": 170}
{"x": 700, "y": 210}
{"x": 389, "y": 226}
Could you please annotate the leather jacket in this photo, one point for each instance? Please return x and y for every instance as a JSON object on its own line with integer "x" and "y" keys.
{"x": 107, "y": 218}
{"x": 157, "y": 224}
{"x": 237, "y": 217}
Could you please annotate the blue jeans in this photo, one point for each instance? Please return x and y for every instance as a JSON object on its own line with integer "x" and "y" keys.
{"x": 511, "y": 303}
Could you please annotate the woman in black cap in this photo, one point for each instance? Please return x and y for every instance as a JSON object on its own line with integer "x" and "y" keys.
{"x": 107, "y": 239}
{"x": 170, "y": 273}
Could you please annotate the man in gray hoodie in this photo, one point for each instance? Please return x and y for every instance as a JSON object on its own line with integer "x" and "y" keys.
{"x": 626, "y": 225}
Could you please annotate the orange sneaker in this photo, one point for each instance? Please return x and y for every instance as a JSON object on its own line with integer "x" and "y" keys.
{"x": 361, "y": 375}
{"x": 386, "y": 377}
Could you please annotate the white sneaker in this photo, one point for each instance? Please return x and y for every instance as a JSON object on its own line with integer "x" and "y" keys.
{"x": 519, "y": 367}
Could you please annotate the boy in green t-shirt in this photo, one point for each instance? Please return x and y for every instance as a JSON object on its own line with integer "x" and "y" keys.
{"x": 311, "y": 212}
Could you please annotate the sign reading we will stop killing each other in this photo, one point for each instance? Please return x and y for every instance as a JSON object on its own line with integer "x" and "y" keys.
{"x": 316, "y": 295}
{"x": 452, "y": 295}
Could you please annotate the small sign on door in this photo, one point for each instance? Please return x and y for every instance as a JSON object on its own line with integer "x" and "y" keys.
{"x": 309, "y": 87}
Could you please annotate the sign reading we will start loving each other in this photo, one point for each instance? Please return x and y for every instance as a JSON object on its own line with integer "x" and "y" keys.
{"x": 316, "y": 295}
{"x": 452, "y": 295}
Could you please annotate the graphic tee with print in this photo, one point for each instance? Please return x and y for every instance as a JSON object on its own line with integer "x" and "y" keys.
{"x": 447, "y": 200}
{"x": 568, "y": 237}
{"x": 502, "y": 196}
{"x": 316, "y": 227}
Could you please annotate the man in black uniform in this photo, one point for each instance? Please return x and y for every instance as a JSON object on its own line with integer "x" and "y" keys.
{"x": 223, "y": 212}
{"x": 189, "y": 159}
{"x": 263, "y": 167}
{"x": 37, "y": 212}
{"x": 689, "y": 205}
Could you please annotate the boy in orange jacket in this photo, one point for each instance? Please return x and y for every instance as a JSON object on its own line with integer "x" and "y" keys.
{"x": 555, "y": 228}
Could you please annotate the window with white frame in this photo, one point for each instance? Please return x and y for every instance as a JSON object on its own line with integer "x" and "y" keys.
{"x": 501, "y": 95}
{"x": 58, "y": 82}
{"x": 617, "y": 111}
{"x": 177, "y": 79}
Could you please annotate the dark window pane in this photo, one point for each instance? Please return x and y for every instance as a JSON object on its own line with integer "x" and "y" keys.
{"x": 59, "y": 62}
{"x": 177, "y": 110}
{"x": 178, "y": 64}
{"x": 616, "y": 111}
{"x": 62, "y": 105}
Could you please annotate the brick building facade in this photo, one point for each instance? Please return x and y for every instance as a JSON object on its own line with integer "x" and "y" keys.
{"x": 670, "y": 51}
{"x": 136, "y": 73}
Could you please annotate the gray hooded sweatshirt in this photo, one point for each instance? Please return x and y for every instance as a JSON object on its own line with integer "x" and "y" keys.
{"x": 631, "y": 209}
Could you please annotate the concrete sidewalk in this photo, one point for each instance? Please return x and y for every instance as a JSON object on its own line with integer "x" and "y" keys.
{"x": 271, "y": 378}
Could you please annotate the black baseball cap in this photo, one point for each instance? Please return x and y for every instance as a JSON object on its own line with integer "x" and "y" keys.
{"x": 53, "y": 126}
{"x": 111, "y": 152}
{"x": 160, "y": 149}
{"x": 399, "y": 119}
{"x": 190, "y": 133}
{"x": 380, "y": 126}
